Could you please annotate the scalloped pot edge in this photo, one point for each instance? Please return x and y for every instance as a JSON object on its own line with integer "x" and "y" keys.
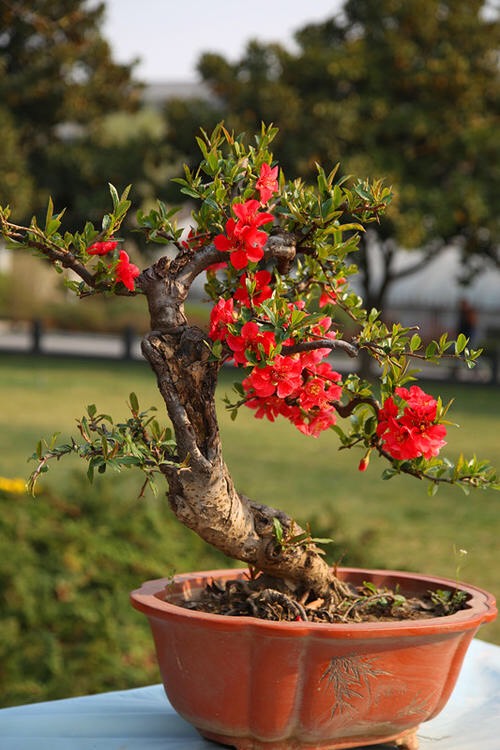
{"x": 264, "y": 685}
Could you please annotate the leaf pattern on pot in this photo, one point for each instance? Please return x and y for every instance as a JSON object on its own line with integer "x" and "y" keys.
{"x": 420, "y": 706}
{"x": 349, "y": 678}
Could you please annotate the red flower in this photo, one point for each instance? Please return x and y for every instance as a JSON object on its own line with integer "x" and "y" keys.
{"x": 243, "y": 239}
{"x": 102, "y": 248}
{"x": 363, "y": 464}
{"x": 251, "y": 249}
{"x": 250, "y": 338}
{"x": 286, "y": 389}
{"x": 250, "y": 215}
{"x": 324, "y": 370}
{"x": 220, "y": 316}
{"x": 314, "y": 423}
{"x": 267, "y": 183}
{"x": 194, "y": 241}
{"x": 419, "y": 402}
{"x": 282, "y": 378}
{"x": 244, "y": 243}
{"x": 126, "y": 271}
{"x": 316, "y": 399}
{"x": 327, "y": 298}
{"x": 314, "y": 394}
{"x": 328, "y": 295}
{"x": 413, "y": 432}
{"x": 253, "y": 289}
{"x": 309, "y": 423}
{"x": 270, "y": 407}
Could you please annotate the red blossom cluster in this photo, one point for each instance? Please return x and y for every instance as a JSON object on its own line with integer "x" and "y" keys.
{"x": 301, "y": 387}
{"x": 243, "y": 239}
{"x": 102, "y": 248}
{"x": 267, "y": 183}
{"x": 328, "y": 295}
{"x": 409, "y": 429}
{"x": 292, "y": 387}
{"x": 285, "y": 378}
{"x": 126, "y": 272}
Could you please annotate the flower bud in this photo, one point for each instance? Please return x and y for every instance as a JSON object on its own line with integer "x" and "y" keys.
{"x": 363, "y": 464}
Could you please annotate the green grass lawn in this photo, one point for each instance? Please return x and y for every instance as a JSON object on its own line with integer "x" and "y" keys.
{"x": 396, "y": 522}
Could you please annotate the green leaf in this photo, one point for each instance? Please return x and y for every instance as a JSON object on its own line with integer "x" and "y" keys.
{"x": 460, "y": 343}
{"x": 431, "y": 350}
{"x": 134, "y": 403}
{"x": 106, "y": 222}
{"x": 213, "y": 161}
{"x": 129, "y": 461}
{"x": 202, "y": 146}
{"x": 190, "y": 193}
{"x": 114, "y": 195}
{"x": 370, "y": 586}
{"x": 124, "y": 195}
{"x": 389, "y": 473}
{"x": 239, "y": 388}
{"x": 415, "y": 342}
{"x": 50, "y": 212}
{"x": 278, "y": 530}
{"x": 53, "y": 440}
{"x": 321, "y": 540}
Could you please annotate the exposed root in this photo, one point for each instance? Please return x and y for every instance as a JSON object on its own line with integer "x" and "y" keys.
{"x": 269, "y": 599}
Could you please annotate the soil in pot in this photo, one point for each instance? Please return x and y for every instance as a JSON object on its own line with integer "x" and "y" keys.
{"x": 271, "y": 599}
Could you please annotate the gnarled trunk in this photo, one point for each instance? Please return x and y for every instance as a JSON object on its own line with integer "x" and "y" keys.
{"x": 202, "y": 495}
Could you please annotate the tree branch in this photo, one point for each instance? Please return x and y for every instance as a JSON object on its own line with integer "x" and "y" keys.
{"x": 307, "y": 346}
{"x": 56, "y": 254}
{"x": 345, "y": 410}
{"x": 52, "y": 252}
{"x": 188, "y": 264}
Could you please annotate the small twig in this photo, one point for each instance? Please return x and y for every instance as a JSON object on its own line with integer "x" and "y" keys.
{"x": 306, "y": 346}
{"x": 345, "y": 410}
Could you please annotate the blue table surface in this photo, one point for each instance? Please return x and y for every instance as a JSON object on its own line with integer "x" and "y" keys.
{"x": 143, "y": 719}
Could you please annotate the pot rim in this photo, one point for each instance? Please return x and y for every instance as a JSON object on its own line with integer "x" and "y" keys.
{"x": 481, "y": 606}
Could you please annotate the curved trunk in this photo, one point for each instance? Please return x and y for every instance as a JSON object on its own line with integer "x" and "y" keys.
{"x": 202, "y": 495}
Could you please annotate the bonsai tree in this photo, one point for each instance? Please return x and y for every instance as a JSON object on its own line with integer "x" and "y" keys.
{"x": 277, "y": 256}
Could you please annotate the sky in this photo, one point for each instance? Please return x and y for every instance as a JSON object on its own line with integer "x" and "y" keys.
{"x": 170, "y": 35}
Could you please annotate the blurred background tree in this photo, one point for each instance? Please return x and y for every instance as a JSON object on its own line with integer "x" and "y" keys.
{"x": 405, "y": 90}
{"x": 61, "y": 92}
{"x": 16, "y": 181}
{"x": 408, "y": 91}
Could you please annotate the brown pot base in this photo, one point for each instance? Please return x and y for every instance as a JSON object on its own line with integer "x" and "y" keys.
{"x": 405, "y": 741}
{"x": 266, "y": 685}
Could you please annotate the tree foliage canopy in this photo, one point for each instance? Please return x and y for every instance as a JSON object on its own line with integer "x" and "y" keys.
{"x": 56, "y": 64}
{"x": 58, "y": 84}
{"x": 409, "y": 91}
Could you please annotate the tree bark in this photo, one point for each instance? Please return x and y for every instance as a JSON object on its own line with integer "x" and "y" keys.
{"x": 202, "y": 495}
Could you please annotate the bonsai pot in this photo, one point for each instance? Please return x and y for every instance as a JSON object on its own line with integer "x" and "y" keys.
{"x": 265, "y": 685}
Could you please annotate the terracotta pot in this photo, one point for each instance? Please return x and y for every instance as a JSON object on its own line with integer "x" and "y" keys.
{"x": 263, "y": 685}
